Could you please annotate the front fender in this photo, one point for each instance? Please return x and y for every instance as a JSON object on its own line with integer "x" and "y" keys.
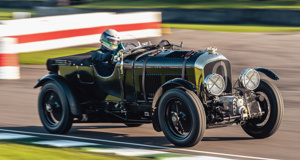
{"x": 63, "y": 84}
{"x": 268, "y": 73}
{"x": 177, "y": 82}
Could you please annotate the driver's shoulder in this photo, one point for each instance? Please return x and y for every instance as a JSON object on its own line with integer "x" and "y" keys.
{"x": 97, "y": 51}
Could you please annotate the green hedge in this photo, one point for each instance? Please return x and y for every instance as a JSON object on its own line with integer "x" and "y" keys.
{"x": 192, "y": 4}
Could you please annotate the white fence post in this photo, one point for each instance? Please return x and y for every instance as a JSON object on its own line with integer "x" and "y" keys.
{"x": 21, "y": 15}
{"x": 9, "y": 59}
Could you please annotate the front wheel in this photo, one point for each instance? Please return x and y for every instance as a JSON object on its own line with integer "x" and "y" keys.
{"x": 273, "y": 106}
{"x": 182, "y": 117}
{"x": 54, "y": 109}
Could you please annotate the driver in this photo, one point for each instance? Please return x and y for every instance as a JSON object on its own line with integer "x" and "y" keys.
{"x": 102, "y": 57}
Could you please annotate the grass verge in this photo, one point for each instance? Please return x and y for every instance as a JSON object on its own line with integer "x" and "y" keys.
{"x": 232, "y": 28}
{"x": 12, "y": 151}
{"x": 40, "y": 57}
{"x": 192, "y": 4}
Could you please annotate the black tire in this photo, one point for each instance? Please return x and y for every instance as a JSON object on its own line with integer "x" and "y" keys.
{"x": 273, "y": 107}
{"x": 56, "y": 118}
{"x": 182, "y": 117}
{"x": 133, "y": 124}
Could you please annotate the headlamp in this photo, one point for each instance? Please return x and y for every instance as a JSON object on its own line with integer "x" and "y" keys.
{"x": 249, "y": 79}
{"x": 214, "y": 84}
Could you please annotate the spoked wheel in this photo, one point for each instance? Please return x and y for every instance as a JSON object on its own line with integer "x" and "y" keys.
{"x": 178, "y": 118}
{"x": 273, "y": 109}
{"x": 182, "y": 117}
{"x": 54, "y": 109}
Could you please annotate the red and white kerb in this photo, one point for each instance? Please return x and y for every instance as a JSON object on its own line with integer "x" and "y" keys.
{"x": 9, "y": 60}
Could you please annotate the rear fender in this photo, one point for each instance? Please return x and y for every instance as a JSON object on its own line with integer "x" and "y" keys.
{"x": 268, "y": 73}
{"x": 63, "y": 84}
{"x": 174, "y": 83}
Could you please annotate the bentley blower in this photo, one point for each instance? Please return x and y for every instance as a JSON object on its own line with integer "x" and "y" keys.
{"x": 180, "y": 92}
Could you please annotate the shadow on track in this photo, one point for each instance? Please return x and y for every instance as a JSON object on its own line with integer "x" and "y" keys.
{"x": 226, "y": 138}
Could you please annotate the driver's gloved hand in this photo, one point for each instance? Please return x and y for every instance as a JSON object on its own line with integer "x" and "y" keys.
{"x": 116, "y": 58}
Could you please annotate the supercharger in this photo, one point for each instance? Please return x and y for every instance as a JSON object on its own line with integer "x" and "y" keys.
{"x": 241, "y": 107}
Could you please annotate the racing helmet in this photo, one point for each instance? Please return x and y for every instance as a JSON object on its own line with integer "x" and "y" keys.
{"x": 110, "y": 39}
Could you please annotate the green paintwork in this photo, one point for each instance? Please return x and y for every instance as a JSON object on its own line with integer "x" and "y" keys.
{"x": 159, "y": 68}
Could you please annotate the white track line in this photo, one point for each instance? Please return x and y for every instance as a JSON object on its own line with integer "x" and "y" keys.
{"x": 128, "y": 151}
{"x": 136, "y": 144}
{"x": 65, "y": 143}
{"x": 197, "y": 158}
{"x": 8, "y": 136}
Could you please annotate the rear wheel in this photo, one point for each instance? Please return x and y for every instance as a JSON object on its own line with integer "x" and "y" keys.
{"x": 54, "y": 109}
{"x": 273, "y": 106}
{"x": 182, "y": 117}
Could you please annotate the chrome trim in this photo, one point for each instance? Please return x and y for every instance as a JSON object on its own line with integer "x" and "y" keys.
{"x": 206, "y": 58}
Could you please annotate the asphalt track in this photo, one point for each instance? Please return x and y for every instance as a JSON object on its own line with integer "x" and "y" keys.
{"x": 276, "y": 51}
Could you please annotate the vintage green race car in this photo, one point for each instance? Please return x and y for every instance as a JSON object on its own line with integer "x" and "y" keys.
{"x": 181, "y": 92}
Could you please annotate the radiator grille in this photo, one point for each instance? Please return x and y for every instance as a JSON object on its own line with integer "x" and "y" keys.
{"x": 223, "y": 68}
